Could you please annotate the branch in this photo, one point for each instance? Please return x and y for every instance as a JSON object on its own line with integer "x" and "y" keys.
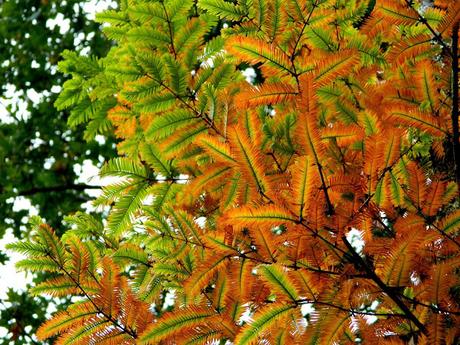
{"x": 329, "y": 206}
{"x": 455, "y": 136}
{"x": 359, "y": 263}
{"x": 431, "y": 306}
{"x": 61, "y": 188}
{"x": 348, "y": 310}
{"x": 171, "y": 36}
{"x": 437, "y": 36}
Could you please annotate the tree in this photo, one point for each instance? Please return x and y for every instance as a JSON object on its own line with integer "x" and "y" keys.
{"x": 38, "y": 151}
{"x": 242, "y": 198}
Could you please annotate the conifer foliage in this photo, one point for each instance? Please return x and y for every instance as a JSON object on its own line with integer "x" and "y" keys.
{"x": 240, "y": 197}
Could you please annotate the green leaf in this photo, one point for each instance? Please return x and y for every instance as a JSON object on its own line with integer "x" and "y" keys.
{"x": 132, "y": 253}
{"x": 265, "y": 319}
{"x": 321, "y": 39}
{"x": 124, "y": 167}
{"x": 278, "y": 279}
{"x": 184, "y": 138}
{"x": 222, "y": 9}
{"x": 153, "y": 157}
{"x": 174, "y": 322}
{"x": 122, "y": 215}
{"x": 163, "y": 126}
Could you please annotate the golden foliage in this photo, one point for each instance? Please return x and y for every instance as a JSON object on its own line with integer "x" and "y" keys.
{"x": 327, "y": 180}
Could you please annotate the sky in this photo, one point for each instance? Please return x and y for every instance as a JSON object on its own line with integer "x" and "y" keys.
{"x": 10, "y": 278}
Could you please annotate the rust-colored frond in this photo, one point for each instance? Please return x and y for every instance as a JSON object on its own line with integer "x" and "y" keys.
{"x": 174, "y": 323}
{"x": 304, "y": 181}
{"x": 221, "y": 291}
{"x": 437, "y": 329}
{"x": 397, "y": 268}
{"x": 109, "y": 308}
{"x": 418, "y": 186}
{"x": 442, "y": 277}
{"x": 396, "y": 12}
{"x": 343, "y": 135}
{"x": 61, "y": 286}
{"x": 372, "y": 161}
{"x": 370, "y": 122}
{"x": 250, "y": 160}
{"x": 206, "y": 271}
{"x": 434, "y": 197}
{"x": 334, "y": 66}
{"x": 257, "y": 51}
{"x": 210, "y": 180}
{"x": 266, "y": 243}
{"x": 451, "y": 224}
{"x": 374, "y": 25}
{"x": 450, "y": 19}
{"x": 308, "y": 284}
{"x": 415, "y": 118}
{"x": 251, "y": 124}
{"x": 183, "y": 138}
{"x": 242, "y": 282}
{"x": 276, "y": 19}
{"x": 411, "y": 48}
{"x": 64, "y": 320}
{"x": 81, "y": 258}
{"x": 426, "y": 83}
{"x": 391, "y": 148}
{"x": 308, "y": 135}
{"x": 268, "y": 216}
{"x": 217, "y": 149}
{"x": 409, "y": 225}
{"x": 108, "y": 295}
{"x": 266, "y": 94}
{"x": 333, "y": 327}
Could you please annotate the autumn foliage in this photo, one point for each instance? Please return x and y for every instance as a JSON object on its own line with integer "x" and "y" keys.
{"x": 241, "y": 197}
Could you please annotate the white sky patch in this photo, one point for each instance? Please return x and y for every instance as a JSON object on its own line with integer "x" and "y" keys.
{"x": 34, "y": 96}
{"x": 355, "y": 237}
{"x": 250, "y": 75}
{"x": 10, "y": 277}
{"x": 59, "y": 21}
{"x": 18, "y": 106}
{"x": 92, "y": 7}
{"x": 307, "y": 309}
{"x": 56, "y": 89}
{"x": 169, "y": 299}
{"x": 209, "y": 62}
{"x": 201, "y": 222}
{"x": 88, "y": 174}
{"x": 22, "y": 203}
{"x": 370, "y": 319}
{"x": 246, "y": 316}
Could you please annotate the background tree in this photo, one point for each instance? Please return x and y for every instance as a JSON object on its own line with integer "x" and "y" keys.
{"x": 242, "y": 199}
{"x": 38, "y": 151}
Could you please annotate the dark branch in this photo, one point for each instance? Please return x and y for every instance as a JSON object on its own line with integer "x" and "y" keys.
{"x": 61, "y": 188}
{"x": 359, "y": 263}
{"x": 455, "y": 134}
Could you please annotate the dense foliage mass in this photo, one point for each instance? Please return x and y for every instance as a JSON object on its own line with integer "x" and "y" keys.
{"x": 38, "y": 151}
{"x": 240, "y": 198}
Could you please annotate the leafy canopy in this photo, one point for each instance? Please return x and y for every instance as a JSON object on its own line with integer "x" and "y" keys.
{"x": 240, "y": 197}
